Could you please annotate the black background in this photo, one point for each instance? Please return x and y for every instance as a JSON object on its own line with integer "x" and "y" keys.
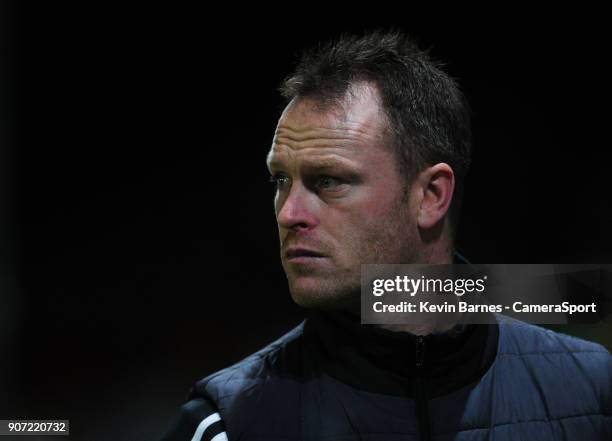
{"x": 140, "y": 247}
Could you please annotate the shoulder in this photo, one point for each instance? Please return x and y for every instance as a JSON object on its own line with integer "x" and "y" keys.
{"x": 197, "y": 419}
{"x": 561, "y": 358}
{"x": 281, "y": 356}
{"x": 224, "y": 400}
{"x": 517, "y": 337}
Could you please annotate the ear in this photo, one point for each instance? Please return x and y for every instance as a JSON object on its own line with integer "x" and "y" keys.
{"x": 436, "y": 184}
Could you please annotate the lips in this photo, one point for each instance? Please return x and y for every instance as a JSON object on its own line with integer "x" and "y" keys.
{"x": 294, "y": 253}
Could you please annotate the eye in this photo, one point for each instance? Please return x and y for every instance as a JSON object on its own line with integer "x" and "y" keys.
{"x": 280, "y": 181}
{"x": 328, "y": 183}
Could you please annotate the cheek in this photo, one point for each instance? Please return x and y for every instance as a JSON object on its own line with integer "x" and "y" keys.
{"x": 386, "y": 228}
{"x": 375, "y": 210}
{"x": 365, "y": 229}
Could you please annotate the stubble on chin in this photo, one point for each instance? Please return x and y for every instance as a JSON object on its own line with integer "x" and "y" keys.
{"x": 390, "y": 240}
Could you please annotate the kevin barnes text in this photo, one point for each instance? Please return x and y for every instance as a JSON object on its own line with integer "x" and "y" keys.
{"x": 566, "y": 307}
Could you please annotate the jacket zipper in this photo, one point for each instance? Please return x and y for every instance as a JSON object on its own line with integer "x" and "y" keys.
{"x": 420, "y": 393}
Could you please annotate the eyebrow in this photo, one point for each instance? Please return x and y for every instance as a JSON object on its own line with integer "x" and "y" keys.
{"x": 315, "y": 164}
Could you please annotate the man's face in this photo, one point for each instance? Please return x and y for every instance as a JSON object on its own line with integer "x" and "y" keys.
{"x": 340, "y": 200}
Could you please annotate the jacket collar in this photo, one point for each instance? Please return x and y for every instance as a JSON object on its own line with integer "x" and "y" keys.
{"x": 379, "y": 360}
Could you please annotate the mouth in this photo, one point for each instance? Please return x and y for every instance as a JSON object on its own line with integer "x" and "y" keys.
{"x": 302, "y": 255}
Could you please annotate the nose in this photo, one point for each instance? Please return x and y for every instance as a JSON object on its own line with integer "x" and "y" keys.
{"x": 295, "y": 211}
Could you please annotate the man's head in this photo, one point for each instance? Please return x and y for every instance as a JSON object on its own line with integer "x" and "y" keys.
{"x": 366, "y": 156}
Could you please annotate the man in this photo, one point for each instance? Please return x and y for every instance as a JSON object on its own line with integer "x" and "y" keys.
{"x": 368, "y": 160}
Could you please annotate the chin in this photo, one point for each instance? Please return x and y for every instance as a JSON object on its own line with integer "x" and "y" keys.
{"x": 317, "y": 295}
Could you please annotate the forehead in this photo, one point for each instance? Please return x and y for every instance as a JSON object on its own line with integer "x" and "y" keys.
{"x": 355, "y": 124}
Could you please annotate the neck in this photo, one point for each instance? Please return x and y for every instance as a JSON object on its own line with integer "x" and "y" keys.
{"x": 437, "y": 253}
{"x": 423, "y": 328}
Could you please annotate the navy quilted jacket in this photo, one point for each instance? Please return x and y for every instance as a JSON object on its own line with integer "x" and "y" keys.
{"x": 330, "y": 379}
